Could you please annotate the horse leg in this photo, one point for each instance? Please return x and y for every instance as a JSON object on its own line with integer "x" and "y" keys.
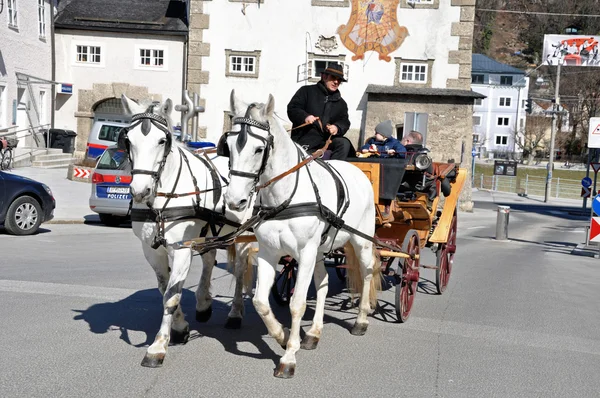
{"x": 159, "y": 260}
{"x": 363, "y": 250}
{"x": 306, "y": 266}
{"x": 321, "y": 279}
{"x": 234, "y": 318}
{"x": 264, "y": 282}
{"x": 203, "y": 297}
{"x": 155, "y": 354}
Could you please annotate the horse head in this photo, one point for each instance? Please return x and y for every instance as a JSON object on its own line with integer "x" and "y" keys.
{"x": 250, "y": 143}
{"x": 148, "y": 141}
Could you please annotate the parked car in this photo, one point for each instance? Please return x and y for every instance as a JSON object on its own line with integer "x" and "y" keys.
{"x": 24, "y": 204}
{"x": 102, "y": 135}
{"x": 110, "y": 195}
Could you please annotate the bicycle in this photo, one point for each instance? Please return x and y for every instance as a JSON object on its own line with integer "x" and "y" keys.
{"x": 6, "y": 152}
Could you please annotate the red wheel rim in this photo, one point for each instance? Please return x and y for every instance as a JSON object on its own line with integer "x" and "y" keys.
{"x": 446, "y": 257}
{"x": 410, "y": 278}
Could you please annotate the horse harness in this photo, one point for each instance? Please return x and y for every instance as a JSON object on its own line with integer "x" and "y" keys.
{"x": 214, "y": 220}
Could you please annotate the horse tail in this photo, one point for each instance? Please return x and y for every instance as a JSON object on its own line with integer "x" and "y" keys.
{"x": 354, "y": 277}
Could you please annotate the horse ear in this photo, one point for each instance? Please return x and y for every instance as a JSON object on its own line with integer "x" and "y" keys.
{"x": 269, "y": 109}
{"x": 130, "y": 106}
{"x": 237, "y": 106}
{"x": 167, "y": 107}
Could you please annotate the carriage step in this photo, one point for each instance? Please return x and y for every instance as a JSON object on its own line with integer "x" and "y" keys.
{"x": 430, "y": 266}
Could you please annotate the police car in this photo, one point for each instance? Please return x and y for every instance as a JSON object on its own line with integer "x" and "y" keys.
{"x": 110, "y": 195}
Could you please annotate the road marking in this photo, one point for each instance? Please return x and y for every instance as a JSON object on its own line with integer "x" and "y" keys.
{"x": 59, "y": 289}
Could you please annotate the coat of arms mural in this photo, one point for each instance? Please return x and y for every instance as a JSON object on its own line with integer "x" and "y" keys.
{"x": 373, "y": 26}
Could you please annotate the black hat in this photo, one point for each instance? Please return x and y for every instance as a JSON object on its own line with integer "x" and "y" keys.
{"x": 335, "y": 69}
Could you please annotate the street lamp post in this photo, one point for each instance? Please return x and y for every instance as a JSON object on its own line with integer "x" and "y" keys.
{"x": 553, "y": 135}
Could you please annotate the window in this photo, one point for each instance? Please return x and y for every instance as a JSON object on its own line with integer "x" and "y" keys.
{"x": 505, "y": 101}
{"x": 521, "y": 123}
{"x": 476, "y": 120}
{"x": 2, "y": 106}
{"x": 88, "y": 54}
{"x": 506, "y": 80}
{"x": 11, "y": 5}
{"x": 478, "y": 101}
{"x": 413, "y": 73}
{"x": 42, "y": 107}
{"x": 42, "y": 18}
{"x": 242, "y": 63}
{"x": 477, "y": 79}
{"x": 319, "y": 66}
{"x": 502, "y": 121}
{"x": 501, "y": 140}
{"x": 152, "y": 57}
{"x": 475, "y": 138}
{"x": 523, "y": 103}
{"x": 109, "y": 133}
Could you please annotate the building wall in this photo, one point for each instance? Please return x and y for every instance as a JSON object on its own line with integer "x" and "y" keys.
{"x": 117, "y": 73}
{"x": 22, "y": 49}
{"x": 490, "y": 110}
{"x": 285, "y": 33}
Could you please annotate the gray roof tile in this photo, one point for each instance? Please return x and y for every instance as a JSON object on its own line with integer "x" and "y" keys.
{"x": 483, "y": 64}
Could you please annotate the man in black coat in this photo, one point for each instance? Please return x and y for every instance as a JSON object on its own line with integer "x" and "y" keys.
{"x": 323, "y": 108}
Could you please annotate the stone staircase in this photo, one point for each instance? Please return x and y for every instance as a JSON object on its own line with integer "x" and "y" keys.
{"x": 52, "y": 158}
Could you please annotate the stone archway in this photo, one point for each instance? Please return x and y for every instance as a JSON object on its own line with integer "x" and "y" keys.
{"x": 87, "y": 100}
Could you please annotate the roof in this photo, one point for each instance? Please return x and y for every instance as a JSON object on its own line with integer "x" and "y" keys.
{"x": 440, "y": 92}
{"x": 165, "y": 17}
{"x": 483, "y": 64}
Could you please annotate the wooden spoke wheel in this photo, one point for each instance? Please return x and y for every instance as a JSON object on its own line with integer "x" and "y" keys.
{"x": 445, "y": 258}
{"x": 285, "y": 280}
{"x": 406, "y": 290}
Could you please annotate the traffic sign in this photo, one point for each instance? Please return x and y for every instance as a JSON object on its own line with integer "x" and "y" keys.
{"x": 586, "y": 182}
{"x": 594, "y": 133}
{"x": 585, "y": 192}
{"x": 595, "y": 230}
{"x": 473, "y": 153}
{"x": 596, "y": 204}
{"x": 595, "y": 166}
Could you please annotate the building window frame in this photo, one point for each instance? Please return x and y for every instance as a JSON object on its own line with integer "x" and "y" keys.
{"x": 88, "y": 54}
{"x": 231, "y": 58}
{"x": 151, "y": 57}
{"x": 308, "y": 72}
{"x": 503, "y": 138}
{"x": 42, "y": 107}
{"x": 505, "y": 102}
{"x": 420, "y": 4}
{"x": 13, "y": 16}
{"x": 407, "y": 67}
{"x": 329, "y": 3}
{"x": 42, "y": 19}
{"x": 3, "y": 122}
{"x": 478, "y": 102}
{"x": 479, "y": 118}
{"x": 503, "y": 121}
{"x": 477, "y": 78}
{"x": 506, "y": 80}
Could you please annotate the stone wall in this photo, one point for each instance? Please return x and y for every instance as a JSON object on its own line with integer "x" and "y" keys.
{"x": 449, "y": 126}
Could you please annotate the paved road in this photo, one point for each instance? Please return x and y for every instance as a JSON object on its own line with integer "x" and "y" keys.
{"x": 519, "y": 319}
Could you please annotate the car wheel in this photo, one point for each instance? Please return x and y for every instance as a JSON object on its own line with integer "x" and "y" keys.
{"x": 110, "y": 220}
{"x": 24, "y": 216}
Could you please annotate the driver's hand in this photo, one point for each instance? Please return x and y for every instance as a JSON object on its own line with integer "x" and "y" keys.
{"x": 332, "y": 129}
{"x": 310, "y": 119}
{"x": 391, "y": 152}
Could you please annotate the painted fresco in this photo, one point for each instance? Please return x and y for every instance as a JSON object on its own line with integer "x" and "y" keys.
{"x": 373, "y": 26}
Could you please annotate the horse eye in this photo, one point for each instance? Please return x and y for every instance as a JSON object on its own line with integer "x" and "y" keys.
{"x": 259, "y": 150}
{"x": 163, "y": 141}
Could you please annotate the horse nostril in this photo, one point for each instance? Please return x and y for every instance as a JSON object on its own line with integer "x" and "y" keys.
{"x": 147, "y": 192}
{"x": 242, "y": 204}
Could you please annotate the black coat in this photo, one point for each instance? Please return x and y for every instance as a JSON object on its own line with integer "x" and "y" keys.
{"x": 316, "y": 100}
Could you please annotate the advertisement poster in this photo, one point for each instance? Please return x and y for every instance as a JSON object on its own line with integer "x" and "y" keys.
{"x": 571, "y": 50}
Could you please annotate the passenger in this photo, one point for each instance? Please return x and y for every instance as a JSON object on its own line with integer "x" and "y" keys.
{"x": 413, "y": 140}
{"x": 321, "y": 106}
{"x": 384, "y": 143}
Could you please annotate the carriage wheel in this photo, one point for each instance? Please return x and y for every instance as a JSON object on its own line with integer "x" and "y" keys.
{"x": 340, "y": 271}
{"x": 283, "y": 287}
{"x": 406, "y": 290}
{"x": 445, "y": 258}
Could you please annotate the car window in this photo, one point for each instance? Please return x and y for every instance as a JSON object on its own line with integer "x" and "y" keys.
{"x": 113, "y": 159}
{"x": 109, "y": 133}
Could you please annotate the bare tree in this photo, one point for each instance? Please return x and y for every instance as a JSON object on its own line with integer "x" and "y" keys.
{"x": 531, "y": 139}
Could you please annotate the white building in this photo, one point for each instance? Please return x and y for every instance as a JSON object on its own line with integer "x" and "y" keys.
{"x": 498, "y": 117}
{"x": 25, "y": 68}
{"x": 106, "y": 48}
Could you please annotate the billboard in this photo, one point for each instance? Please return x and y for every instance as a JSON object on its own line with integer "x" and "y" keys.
{"x": 572, "y": 50}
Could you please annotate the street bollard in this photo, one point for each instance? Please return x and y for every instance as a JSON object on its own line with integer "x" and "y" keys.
{"x": 502, "y": 223}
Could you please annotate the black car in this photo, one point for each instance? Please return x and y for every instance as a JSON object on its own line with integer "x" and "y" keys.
{"x": 24, "y": 204}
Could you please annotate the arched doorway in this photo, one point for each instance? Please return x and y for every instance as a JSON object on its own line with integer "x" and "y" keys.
{"x": 110, "y": 110}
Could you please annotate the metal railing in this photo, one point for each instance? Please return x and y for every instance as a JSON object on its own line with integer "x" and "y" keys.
{"x": 31, "y": 139}
{"x": 529, "y": 185}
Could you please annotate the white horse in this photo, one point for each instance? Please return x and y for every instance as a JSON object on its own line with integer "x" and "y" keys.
{"x": 177, "y": 197}
{"x": 259, "y": 150}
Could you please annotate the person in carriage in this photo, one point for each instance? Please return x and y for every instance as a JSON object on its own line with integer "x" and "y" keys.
{"x": 383, "y": 142}
{"x": 318, "y": 111}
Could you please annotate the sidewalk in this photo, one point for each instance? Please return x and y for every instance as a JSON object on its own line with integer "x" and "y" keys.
{"x": 72, "y": 197}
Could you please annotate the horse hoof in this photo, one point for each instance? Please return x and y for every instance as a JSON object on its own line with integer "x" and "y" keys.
{"x": 309, "y": 342}
{"x": 153, "y": 360}
{"x": 285, "y": 371}
{"x": 233, "y": 323}
{"x": 286, "y": 337}
{"x": 359, "y": 329}
{"x": 204, "y": 316}
{"x": 180, "y": 337}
